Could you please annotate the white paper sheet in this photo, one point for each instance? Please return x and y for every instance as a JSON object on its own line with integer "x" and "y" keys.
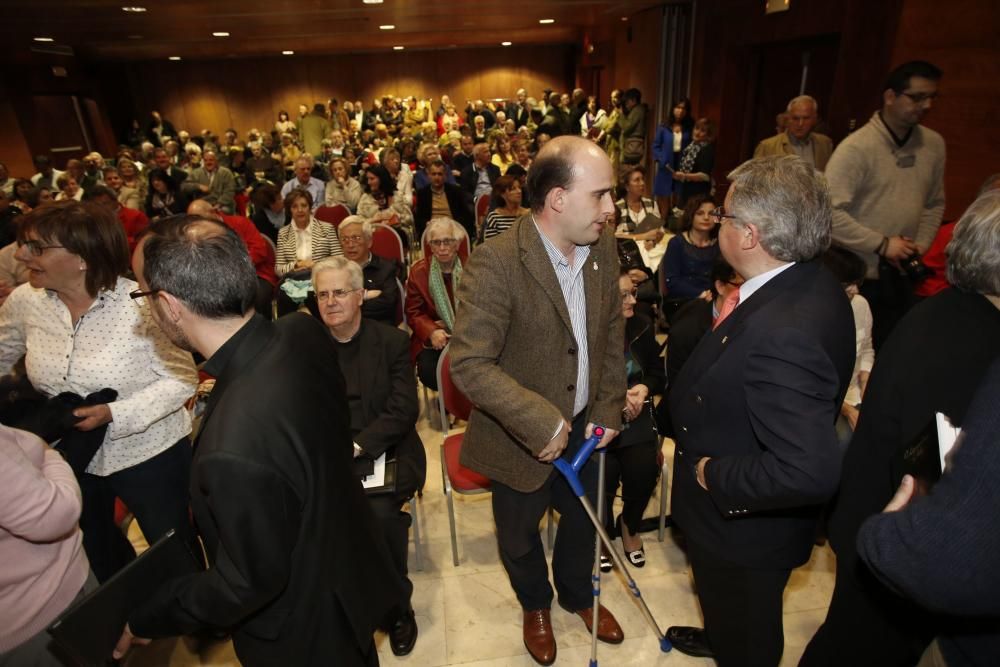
{"x": 947, "y": 435}
{"x": 377, "y": 478}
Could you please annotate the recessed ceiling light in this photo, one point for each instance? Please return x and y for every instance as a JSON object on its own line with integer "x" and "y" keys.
{"x": 288, "y": 53}
{"x": 398, "y": 48}
{"x": 372, "y": 2}
{"x": 136, "y": 10}
{"x": 387, "y": 26}
{"x": 220, "y": 34}
{"x": 44, "y": 39}
{"x": 546, "y": 21}
{"x": 174, "y": 58}
{"x": 624, "y": 18}
{"x": 504, "y": 43}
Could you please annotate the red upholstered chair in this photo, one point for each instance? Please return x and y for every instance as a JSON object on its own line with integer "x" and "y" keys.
{"x": 482, "y": 208}
{"x": 463, "y": 246}
{"x": 333, "y": 215}
{"x": 387, "y": 244}
{"x": 456, "y": 478}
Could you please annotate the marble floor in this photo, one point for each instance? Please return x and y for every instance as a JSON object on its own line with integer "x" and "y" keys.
{"x": 467, "y": 615}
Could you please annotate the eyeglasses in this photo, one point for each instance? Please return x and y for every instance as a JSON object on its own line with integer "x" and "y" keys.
{"x": 36, "y": 248}
{"x": 720, "y": 215}
{"x": 631, "y": 293}
{"x": 919, "y": 98}
{"x": 138, "y": 294}
{"x": 443, "y": 243}
{"x": 338, "y": 294}
{"x": 353, "y": 238}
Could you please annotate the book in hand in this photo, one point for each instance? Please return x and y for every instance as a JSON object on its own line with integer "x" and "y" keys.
{"x": 378, "y": 475}
{"x": 89, "y": 629}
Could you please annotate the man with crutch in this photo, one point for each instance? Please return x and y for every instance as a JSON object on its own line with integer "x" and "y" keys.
{"x": 537, "y": 348}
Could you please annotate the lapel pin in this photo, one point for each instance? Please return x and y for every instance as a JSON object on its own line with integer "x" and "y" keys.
{"x": 724, "y": 339}
{"x": 595, "y": 266}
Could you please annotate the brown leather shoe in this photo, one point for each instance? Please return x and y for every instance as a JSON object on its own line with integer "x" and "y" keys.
{"x": 538, "y": 637}
{"x": 608, "y": 630}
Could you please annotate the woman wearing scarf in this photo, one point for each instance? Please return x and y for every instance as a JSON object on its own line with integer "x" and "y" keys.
{"x": 430, "y": 297}
{"x": 694, "y": 176}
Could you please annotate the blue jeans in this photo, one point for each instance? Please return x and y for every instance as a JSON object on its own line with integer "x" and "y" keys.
{"x": 155, "y": 491}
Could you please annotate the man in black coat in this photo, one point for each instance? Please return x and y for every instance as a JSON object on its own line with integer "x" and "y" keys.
{"x": 754, "y": 410}
{"x": 439, "y": 198}
{"x": 478, "y": 177}
{"x": 299, "y": 572}
{"x": 382, "y": 395}
{"x": 383, "y": 302}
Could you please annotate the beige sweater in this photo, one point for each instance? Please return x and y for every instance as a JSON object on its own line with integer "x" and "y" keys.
{"x": 875, "y": 195}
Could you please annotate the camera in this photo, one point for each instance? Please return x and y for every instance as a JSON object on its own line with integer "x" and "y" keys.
{"x": 915, "y": 269}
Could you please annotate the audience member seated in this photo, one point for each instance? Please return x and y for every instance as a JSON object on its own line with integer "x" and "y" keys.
{"x": 261, "y": 255}
{"x": 381, "y": 202}
{"x": 301, "y": 244}
{"x": 133, "y": 222}
{"x": 130, "y": 438}
{"x": 342, "y": 188}
{"x": 47, "y": 174}
{"x": 45, "y": 567}
{"x": 268, "y": 210}
{"x": 165, "y": 196}
{"x": 866, "y": 623}
{"x": 478, "y": 178}
{"x": 631, "y": 456}
{"x": 392, "y": 161}
{"x": 634, "y": 206}
{"x": 426, "y": 154}
{"x": 850, "y": 269}
{"x": 215, "y": 180}
{"x": 68, "y": 188}
{"x": 9, "y": 215}
{"x": 128, "y": 169}
{"x": 694, "y": 173}
{"x": 430, "y": 298}
{"x": 128, "y": 197}
{"x": 261, "y": 167}
{"x": 687, "y": 265}
{"x": 507, "y": 198}
{"x": 382, "y": 398}
{"x": 162, "y": 160}
{"x": 6, "y": 182}
{"x": 503, "y": 155}
{"x": 464, "y": 157}
{"x": 304, "y": 180}
{"x": 440, "y": 199}
{"x": 382, "y": 297}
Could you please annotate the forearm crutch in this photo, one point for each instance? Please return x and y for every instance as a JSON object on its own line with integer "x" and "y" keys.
{"x": 571, "y": 471}
{"x": 595, "y": 575}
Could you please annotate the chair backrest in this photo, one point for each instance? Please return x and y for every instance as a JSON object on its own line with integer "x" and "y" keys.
{"x": 401, "y": 303}
{"x": 332, "y": 214}
{"x": 452, "y": 401}
{"x": 463, "y": 245}
{"x": 387, "y": 244}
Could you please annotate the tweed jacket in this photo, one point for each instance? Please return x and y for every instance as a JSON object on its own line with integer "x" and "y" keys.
{"x": 780, "y": 144}
{"x": 515, "y": 357}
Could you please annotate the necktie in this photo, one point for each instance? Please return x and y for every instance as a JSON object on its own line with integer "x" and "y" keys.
{"x": 728, "y": 306}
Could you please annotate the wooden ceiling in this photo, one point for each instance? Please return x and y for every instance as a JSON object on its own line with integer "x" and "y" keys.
{"x": 102, "y": 30}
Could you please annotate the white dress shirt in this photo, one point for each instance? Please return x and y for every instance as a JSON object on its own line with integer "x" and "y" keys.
{"x": 114, "y": 345}
{"x": 303, "y": 242}
{"x": 749, "y": 287}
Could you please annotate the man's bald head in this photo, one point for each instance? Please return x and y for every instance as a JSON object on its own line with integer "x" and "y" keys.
{"x": 557, "y": 165}
{"x": 204, "y": 209}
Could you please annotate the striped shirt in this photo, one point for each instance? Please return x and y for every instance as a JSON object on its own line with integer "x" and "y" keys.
{"x": 571, "y": 283}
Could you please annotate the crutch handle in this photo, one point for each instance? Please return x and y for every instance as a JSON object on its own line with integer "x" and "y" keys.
{"x": 571, "y": 469}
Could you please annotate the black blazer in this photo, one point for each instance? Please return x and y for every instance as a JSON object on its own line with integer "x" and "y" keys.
{"x": 932, "y": 362}
{"x": 469, "y": 178}
{"x": 380, "y": 274}
{"x": 390, "y": 405}
{"x": 458, "y": 201}
{"x": 760, "y": 396}
{"x": 295, "y": 551}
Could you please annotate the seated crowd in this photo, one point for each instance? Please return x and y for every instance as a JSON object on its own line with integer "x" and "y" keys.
{"x": 108, "y": 368}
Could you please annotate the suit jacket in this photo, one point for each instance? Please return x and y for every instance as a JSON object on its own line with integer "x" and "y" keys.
{"x": 760, "y": 396}
{"x": 380, "y": 274}
{"x": 390, "y": 405}
{"x": 458, "y": 202}
{"x": 293, "y": 546}
{"x": 469, "y": 177}
{"x": 780, "y": 144}
{"x": 222, "y": 187}
{"x": 515, "y": 356}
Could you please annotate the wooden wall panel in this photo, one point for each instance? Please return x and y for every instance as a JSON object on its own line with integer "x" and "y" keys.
{"x": 245, "y": 93}
{"x": 968, "y": 111}
{"x": 14, "y": 150}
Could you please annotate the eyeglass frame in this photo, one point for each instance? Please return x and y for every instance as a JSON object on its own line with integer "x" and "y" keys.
{"x": 354, "y": 238}
{"x": 137, "y": 294}
{"x": 337, "y": 294}
{"x": 720, "y": 215}
{"x": 35, "y": 247}
{"x": 440, "y": 243}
